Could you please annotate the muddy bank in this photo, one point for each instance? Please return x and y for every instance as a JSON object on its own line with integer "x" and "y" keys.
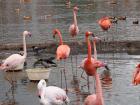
{"x": 80, "y": 47}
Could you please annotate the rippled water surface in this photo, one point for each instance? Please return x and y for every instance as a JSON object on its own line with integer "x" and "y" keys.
{"x": 41, "y": 17}
{"x": 116, "y": 83}
{"x": 45, "y": 15}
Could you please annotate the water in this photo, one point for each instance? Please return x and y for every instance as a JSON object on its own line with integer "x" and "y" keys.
{"x": 49, "y": 14}
{"x": 116, "y": 84}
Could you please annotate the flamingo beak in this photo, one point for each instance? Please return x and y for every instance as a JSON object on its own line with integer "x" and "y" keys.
{"x": 92, "y": 35}
{"x": 29, "y": 34}
{"x": 53, "y": 36}
{"x": 106, "y": 67}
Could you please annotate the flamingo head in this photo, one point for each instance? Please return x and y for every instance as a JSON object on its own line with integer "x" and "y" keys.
{"x": 88, "y": 33}
{"x": 138, "y": 66}
{"x": 75, "y": 8}
{"x": 96, "y": 39}
{"x": 27, "y": 33}
{"x": 55, "y": 31}
{"x": 4, "y": 67}
{"x": 42, "y": 83}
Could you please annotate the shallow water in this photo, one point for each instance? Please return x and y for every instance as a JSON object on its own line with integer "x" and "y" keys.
{"x": 116, "y": 83}
{"x": 50, "y": 14}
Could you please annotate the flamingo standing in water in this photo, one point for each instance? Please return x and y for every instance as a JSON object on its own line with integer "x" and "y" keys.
{"x": 136, "y": 76}
{"x": 95, "y": 99}
{"x": 105, "y": 23}
{"x": 16, "y": 61}
{"x": 62, "y": 51}
{"x": 90, "y": 64}
{"x": 73, "y": 29}
{"x": 51, "y": 95}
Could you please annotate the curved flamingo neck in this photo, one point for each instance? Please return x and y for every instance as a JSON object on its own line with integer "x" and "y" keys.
{"x": 60, "y": 37}
{"x": 24, "y": 46}
{"x": 89, "y": 48}
{"x": 95, "y": 51}
{"x": 99, "y": 94}
{"x": 74, "y": 17}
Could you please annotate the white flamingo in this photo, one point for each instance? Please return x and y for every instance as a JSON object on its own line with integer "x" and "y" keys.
{"x": 16, "y": 61}
{"x": 51, "y": 95}
{"x": 73, "y": 29}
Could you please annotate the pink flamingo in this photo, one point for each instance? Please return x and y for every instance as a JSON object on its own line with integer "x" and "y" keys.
{"x": 90, "y": 64}
{"x": 136, "y": 75}
{"x": 73, "y": 29}
{"x": 16, "y": 61}
{"x": 95, "y": 99}
{"x": 63, "y": 50}
{"x": 105, "y": 23}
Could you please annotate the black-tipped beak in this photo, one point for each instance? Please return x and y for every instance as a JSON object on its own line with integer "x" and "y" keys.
{"x": 107, "y": 67}
{"x": 53, "y": 36}
{"x": 92, "y": 35}
{"x": 39, "y": 96}
{"x": 29, "y": 34}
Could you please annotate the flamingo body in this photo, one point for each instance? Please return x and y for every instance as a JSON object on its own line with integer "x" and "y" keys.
{"x": 62, "y": 52}
{"x": 90, "y": 66}
{"x": 105, "y": 23}
{"x": 73, "y": 30}
{"x": 136, "y": 76}
{"x": 51, "y": 95}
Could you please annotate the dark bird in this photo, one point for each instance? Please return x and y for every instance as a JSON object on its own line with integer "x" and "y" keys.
{"x": 38, "y": 50}
{"x": 46, "y": 62}
{"x": 136, "y": 22}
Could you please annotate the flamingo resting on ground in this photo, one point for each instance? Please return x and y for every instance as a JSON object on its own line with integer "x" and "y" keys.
{"x": 16, "y": 61}
{"x": 105, "y": 23}
{"x": 73, "y": 29}
{"x": 95, "y": 99}
{"x": 90, "y": 64}
{"x": 136, "y": 76}
{"x": 51, "y": 95}
{"x": 63, "y": 50}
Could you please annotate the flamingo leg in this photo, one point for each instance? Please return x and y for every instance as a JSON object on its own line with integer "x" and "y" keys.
{"x": 61, "y": 77}
{"x": 64, "y": 70}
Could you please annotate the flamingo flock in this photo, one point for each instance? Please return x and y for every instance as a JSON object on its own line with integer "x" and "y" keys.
{"x": 52, "y": 95}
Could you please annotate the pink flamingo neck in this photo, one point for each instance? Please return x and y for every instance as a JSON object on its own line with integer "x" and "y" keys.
{"x": 74, "y": 17}
{"x": 89, "y": 48}
{"x": 24, "y": 46}
{"x": 60, "y": 37}
{"x": 95, "y": 51}
{"x": 99, "y": 95}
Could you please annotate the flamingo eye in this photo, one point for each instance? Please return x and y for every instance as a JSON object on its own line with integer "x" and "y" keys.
{"x": 7, "y": 64}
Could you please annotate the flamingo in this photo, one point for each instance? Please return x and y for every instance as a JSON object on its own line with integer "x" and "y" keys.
{"x": 63, "y": 50}
{"x": 95, "y": 99}
{"x": 90, "y": 64}
{"x": 16, "y": 61}
{"x": 136, "y": 75}
{"x": 51, "y": 95}
{"x": 105, "y": 23}
{"x": 73, "y": 29}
